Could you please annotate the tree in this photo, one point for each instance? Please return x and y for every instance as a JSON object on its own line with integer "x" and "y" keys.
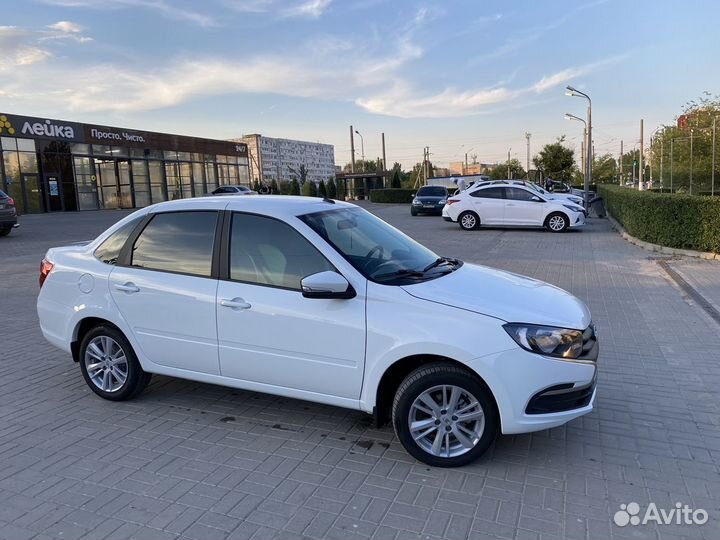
{"x": 604, "y": 169}
{"x": 396, "y": 181}
{"x": 256, "y": 186}
{"x": 556, "y": 160}
{"x": 303, "y": 172}
{"x": 322, "y": 190}
{"x": 500, "y": 171}
{"x": 294, "y": 187}
{"x": 274, "y": 187}
{"x": 310, "y": 189}
{"x": 331, "y": 189}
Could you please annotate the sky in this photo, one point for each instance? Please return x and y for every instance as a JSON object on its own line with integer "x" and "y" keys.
{"x": 459, "y": 76}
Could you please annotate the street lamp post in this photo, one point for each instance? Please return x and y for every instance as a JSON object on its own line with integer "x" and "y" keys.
{"x": 652, "y": 156}
{"x": 362, "y": 148}
{"x": 569, "y": 116}
{"x": 570, "y": 91}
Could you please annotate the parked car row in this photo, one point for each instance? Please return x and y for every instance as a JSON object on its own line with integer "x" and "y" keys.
{"x": 321, "y": 300}
{"x": 8, "y": 214}
{"x": 500, "y": 203}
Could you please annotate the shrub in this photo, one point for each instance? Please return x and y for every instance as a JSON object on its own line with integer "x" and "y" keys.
{"x": 274, "y": 187}
{"x": 309, "y": 189}
{"x": 322, "y": 189}
{"x": 673, "y": 220}
{"x": 592, "y": 187}
{"x": 331, "y": 189}
{"x": 294, "y": 187}
{"x": 392, "y": 195}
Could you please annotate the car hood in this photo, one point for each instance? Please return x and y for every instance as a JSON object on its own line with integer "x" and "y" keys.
{"x": 504, "y": 295}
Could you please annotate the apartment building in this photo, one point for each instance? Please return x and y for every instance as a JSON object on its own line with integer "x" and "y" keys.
{"x": 281, "y": 159}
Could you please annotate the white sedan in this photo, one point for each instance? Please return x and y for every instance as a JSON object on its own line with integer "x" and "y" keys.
{"x": 513, "y": 205}
{"x": 320, "y": 300}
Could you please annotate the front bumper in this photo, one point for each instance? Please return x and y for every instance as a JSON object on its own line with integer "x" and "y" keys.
{"x": 578, "y": 221}
{"x": 523, "y": 384}
{"x": 427, "y": 208}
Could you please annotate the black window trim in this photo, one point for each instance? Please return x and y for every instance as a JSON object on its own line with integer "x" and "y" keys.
{"x": 224, "y": 252}
{"x": 125, "y": 260}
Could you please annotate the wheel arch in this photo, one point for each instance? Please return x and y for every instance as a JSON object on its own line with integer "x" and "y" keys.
{"x": 82, "y": 327}
{"x": 395, "y": 373}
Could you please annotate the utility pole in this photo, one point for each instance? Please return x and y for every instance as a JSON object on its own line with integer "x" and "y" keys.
{"x": 383, "y": 148}
{"x": 527, "y": 169}
{"x": 640, "y": 160}
{"x": 691, "y": 158}
{"x": 508, "y": 163}
{"x": 466, "y": 165}
{"x": 712, "y": 181}
{"x": 352, "y": 150}
{"x": 582, "y": 149}
{"x": 621, "y": 164}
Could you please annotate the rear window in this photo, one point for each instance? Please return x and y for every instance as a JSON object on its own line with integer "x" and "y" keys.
{"x": 3, "y": 195}
{"x": 109, "y": 251}
{"x": 432, "y": 191}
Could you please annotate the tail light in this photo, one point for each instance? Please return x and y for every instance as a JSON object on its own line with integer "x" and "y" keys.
{"x": 452, "y": 201}
{"x": 11, "y": 201}
{"x": 45, "y": 269}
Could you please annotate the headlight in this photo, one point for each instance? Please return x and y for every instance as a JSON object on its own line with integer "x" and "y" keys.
{"x": 574, "y": 208}
{"x": 442, "y": 201}
{"x": 547, "y": 340}
{"x": 415, "y": 201}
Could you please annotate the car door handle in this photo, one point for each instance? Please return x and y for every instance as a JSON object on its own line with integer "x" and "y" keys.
{"x": 235, "y": 303}
{"x": 128, "y": 287}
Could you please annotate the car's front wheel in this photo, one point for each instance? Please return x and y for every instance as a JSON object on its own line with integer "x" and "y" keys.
{"x": 444, "y": 415}
{"x": 109, "y": 365}
{"x": 557, "y": 222}
{"x": 468, "y": 221}
{"x": 5, "y": 231}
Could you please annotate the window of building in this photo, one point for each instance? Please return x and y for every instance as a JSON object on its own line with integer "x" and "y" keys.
{"x": 141, "y": 183}
{"x": 266, "y": 251}
{"x": 177, "y": 242}
{"x": 158, "y": 189}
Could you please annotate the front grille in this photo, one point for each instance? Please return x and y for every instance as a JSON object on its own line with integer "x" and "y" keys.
{"x": 562, "y": 397}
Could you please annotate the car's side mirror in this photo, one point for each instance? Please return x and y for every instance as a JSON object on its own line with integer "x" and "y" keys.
{"x": 536, "y": 198}
{"x": 414, "y": 194}
{"x": 326, "y": 284}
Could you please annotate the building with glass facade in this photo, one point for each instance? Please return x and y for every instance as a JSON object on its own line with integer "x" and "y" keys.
{"x": 51, "y": 165}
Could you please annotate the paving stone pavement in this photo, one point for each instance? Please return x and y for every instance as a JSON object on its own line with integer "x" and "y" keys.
{"x": 702, "y": 275}
{"x": 196, "y": 461}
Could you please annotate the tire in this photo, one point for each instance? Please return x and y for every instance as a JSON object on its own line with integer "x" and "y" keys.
{"x": 557, "y": 222}
{"x": 432, "y": 380}
{"x": 413, "y": 212}
{"x": 468, "y": 221}
{"x": 98, "y": 347}
{"x": 5, "y": 231}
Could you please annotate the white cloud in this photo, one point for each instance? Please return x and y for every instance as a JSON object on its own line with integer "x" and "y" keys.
{"x": 17, "y": 49}
{"x": 66, "y": 26}
{"x": 309, "y": 8}
{"x": 170, "y": 10}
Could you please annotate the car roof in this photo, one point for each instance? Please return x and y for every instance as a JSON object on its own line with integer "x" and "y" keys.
{"x": 272, "y": 205}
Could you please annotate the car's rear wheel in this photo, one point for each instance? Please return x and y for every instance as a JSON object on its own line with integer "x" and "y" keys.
{"x": 444, "y": 415}
{"x": 468, "y": 221}
{"x": 5, "y": 231}
{"x": 557, "y": 222}
{"x": 109, "y": 364}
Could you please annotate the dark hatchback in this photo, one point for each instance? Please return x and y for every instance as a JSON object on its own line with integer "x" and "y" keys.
{"x": 429, "y": 200}
{"x": 8, "y": 214}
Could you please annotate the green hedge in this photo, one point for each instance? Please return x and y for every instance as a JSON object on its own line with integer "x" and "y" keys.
{"x": 673, "y": 220}
{"x": 392, "y": 195}
{"x": 591, "y": 187}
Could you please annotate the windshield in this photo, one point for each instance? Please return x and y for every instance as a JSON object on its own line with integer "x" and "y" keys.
{"x": 432, "y": 191}
{"x": 377, "y": 250}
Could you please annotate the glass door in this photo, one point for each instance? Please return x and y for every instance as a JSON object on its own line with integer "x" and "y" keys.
{"x": 33, "y": 196}
{"x": 108, "y": 183}
{"x": 124, "y": 184}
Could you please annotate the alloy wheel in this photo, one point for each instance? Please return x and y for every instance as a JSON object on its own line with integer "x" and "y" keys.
{"x": 446, "y": 421}
{"x": 106, "y": 364}
{"x": 557, "y": 223}
{"x": 468, "y": 221}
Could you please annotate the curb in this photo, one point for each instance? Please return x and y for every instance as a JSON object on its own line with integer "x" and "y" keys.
{"x": 707, "y": 255}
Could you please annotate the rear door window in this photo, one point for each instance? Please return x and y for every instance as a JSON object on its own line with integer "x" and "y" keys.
{"x": 489, "y": 193}
{"x": 180, "y": 242}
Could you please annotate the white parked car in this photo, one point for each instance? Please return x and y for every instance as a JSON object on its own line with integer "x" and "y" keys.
{"x": 322, "y": 301}
{"x": 232, "y": 190}
{"x": 514, "y": 205}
